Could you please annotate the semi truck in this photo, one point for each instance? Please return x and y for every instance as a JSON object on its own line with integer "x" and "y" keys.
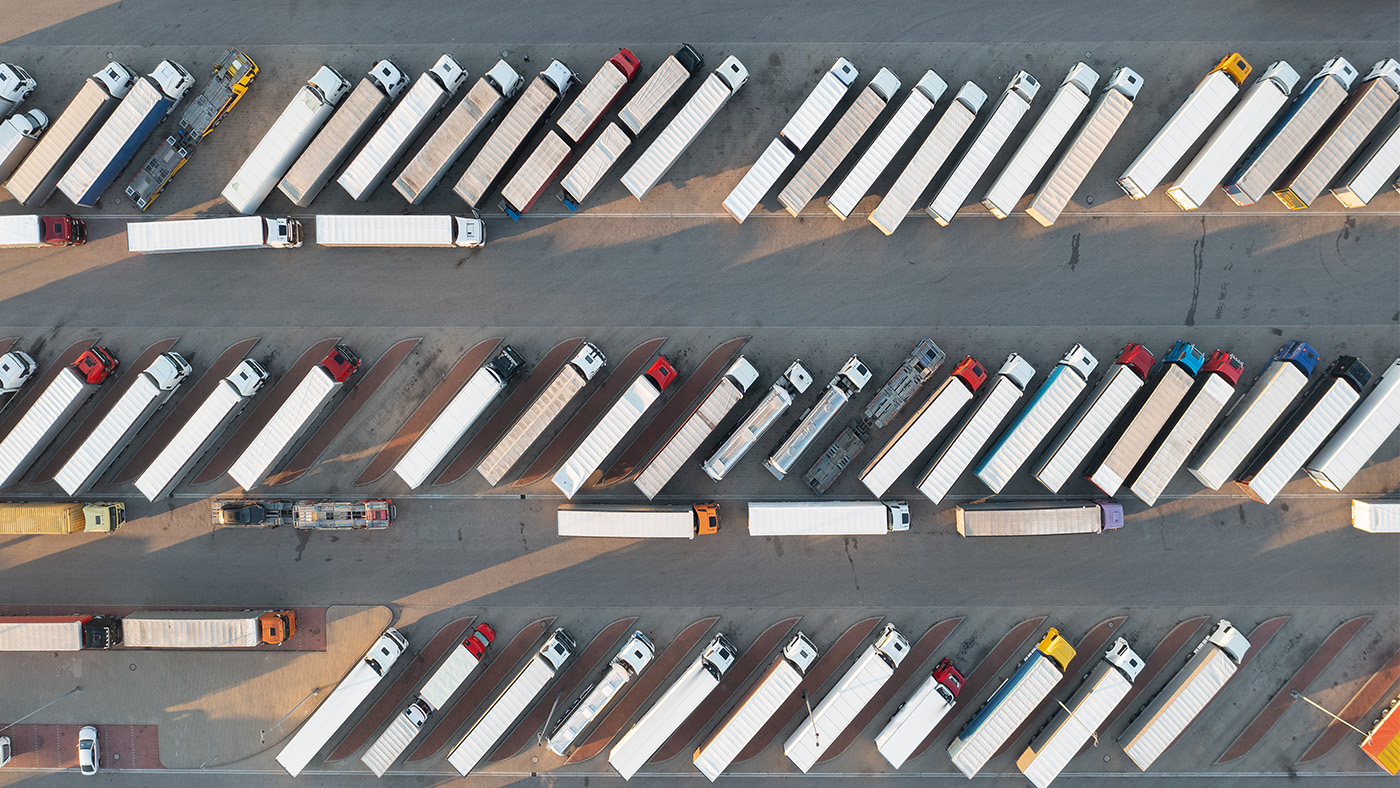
{"x": 522, "y": 692}
{"x": 205, "y": 426}
{"x": 535, "y": 174}
{"x": 1133, "y": 434}
{"x": 1071, "y": 728}
{"x": 1335, "y": 147}
{"x": 924, "y": 426}
{"x": 1361, "y": 435}
{"x": 457, "y": 417}
{"x": 541, "y": 413}
{"x": 653, "y": 96}
{"x": 1085, "y": 147}
{"x": 232, "y": 76}
{"x": 457, "y": 131}
{"x": 59, "y": 633}
{"x": 1038, "y": 518}
{"x": 794, "y": 381}
{"x": 213, "y": 235}
{"x": 827, "y": 518}
{"x": 207, "y": 629}
{"x": 756, "y": 708}
{"x": 1041, "y": 142}
{"x": 37, "y": 176}
{"x": 977, "y": 428}
{"x": 444, "y": 682}
{"x": 891, "y": 139}
{"x": 18, "y": 136}
{"x": 373, "y": 514}
{"x": 529, "y": 111}
{"x": 916, "y": 717}
{"x": 333, "y": 144}
{"x": 1166, "y": 716}
{"x": 928, "y": 160}
{"x": 866, "y": 677}
{"x": 52, "y": 411}
{"x": 1376, "y": 517}
{"x": 1260, "y": 105}
{"x": 15, "y": 87}
{"x": 336, "y": 709}
{"x": 1191, "y": 120}
{"x": 1382, "y": 742}
{"x": 151, "y": 389}
{"x": 1033, "y": 424}
{"x": 61, "y": 518}
{"x": 628, "y": 521}
{"x": 16, "y": 369}
{"x": 294, "y": 416}
{"x": 605, "y": 436}
{"x": 28, "y": 230}
{"x": 1285, "y": 142}
{"x": 657, "y": 160}
{"x": 1213, "y": 389}
{"x": 680, "y": 700}
{"x": 1365, "y": 178}
{"x": 1013, "y": 105}
{"x": 851, "y": 378}
{"x": 1013, "y": 702}
{"x": 634, "y": 657}
{"x": 1298, "y": 438}
{"x": 148, "y": 103}
{"x": 398, "y": 231}
{"x": 696, "y": 429}
{"x": 795, "y": 135}
{"x": 388, "y": 143}
{"x": 838, "y": 145}
{"x": 1250, "y": 419}
{"x": 285, "y": 141}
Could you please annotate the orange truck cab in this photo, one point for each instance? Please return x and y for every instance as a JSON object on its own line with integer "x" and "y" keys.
{"x": 706, "y": 518}
{"x": 277, "y": 626}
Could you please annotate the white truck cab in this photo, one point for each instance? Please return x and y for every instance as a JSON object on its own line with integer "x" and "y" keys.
{"x": 389, "y": 77}
{"x": 173, "y": 80}
{"x": 505, "y": 78}
{"x": 449, "y": 73}
{"x": 248, "y": 377}
{"x": 16, "y": 368}
{"x": 118, "y": 78}
{"x": 560, "y": 76}
{"x": 331, "y": 84}
{"x": 15, "y": 87}
{"x": 733, "y": 73}
{"x": 1121, "y": 655}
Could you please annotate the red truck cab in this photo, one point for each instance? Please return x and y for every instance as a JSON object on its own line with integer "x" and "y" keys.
{"x": 62, "y": 231}
{"x": 1226, "y": 365}
{"x": 341, "y": 363}
{"x": 662, "y": 373}
{"x": 972, "y": 373}
{"x": 627, "y": 63}
{"x": 95, "y": 364}
{"x": 479, "y": 639}
{"x": 1138, "y": 358}
{"x": 947, "y": 674}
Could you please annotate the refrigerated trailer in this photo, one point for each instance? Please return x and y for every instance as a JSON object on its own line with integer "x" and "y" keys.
{"x": 1012, "y": 703}
{"x": 1154, "y": 405}
{"x": 685, "y": 127}
{"x": 598, "y": 95}
{"x": 363, "y": 108}
{"x": 1213, "y": 389}
{"x": 18, "y": 136}
{"x": 1083, "y": 431}
{"x": 793, "y": 382}
{"x": 838, "y": 145}
{"x": 37, "y": 176}
{"x": 916, "y": 717}
{"x": 1361, "y": 435}
{"x": 535, "y": 174}
{"x": 59, "y": 633}
{"x": 1023, "y": 518}
{"x": 756, "y": 708}
{"x": 1167, "y": 715}
{"x": 1013, "y": 105}
{"x": 395, "y": 230}
{"x": 151, "y": 389}
{"x": 207, "y": 629}
{"x": 1372, "y": 169}
{"x": 653, "y": 96}
{"x": 52, "y": 411}
{"x": 871, "y": 671}
{"x": 205, "y": 426}
{"x": 458, "y": 129}
{"x": 851, "y": 378}
{"x": 627, "y": 521}
{"x": 891, "y": 139}
{"x": 28, "y": 230}
{"x": 605, "y": 436}
{"x": 1032, "y": 425}
{"x": 924, "y": 426}
{"x": 977, "y": 428}
{"x": 213, "y": 235}
{"x": 1250, "y": 419}
{"x": 935, "y": 150}
{"x": 289, "y": 135}
{"x": 1260, "y": 105}
{"x": 636, "y": 654}
{"x": 526, "y": 115}
{"x": 61, "y": 518}
{"x": 337, "y": 708}
{"x": 1190, "y": 121}
{"x": 1343, "y": 139}
{"x": 1376, "y": 517}
{"x": 1285, "y": 453}
{"x": 1041, "y": 142}
{"x": 1066, "y": 176}
{"x": 294, "y": 417}
{"x": 457, "y": 417}
{"x": 680, "y": 700}
{"x": 827, "y": 518}
{"x": 542, "y": 412}
{"x": 795, "y": 135}
{"x": 511, "y": 705}
{"x": 685, "y": 441}
{"x": 390, "y": 141}
{"x": 1286, "y": 140}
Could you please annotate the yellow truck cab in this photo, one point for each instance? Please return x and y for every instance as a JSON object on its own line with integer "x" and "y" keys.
{"x": 1056, "y": 648}
{"x": 1235, "y": 66}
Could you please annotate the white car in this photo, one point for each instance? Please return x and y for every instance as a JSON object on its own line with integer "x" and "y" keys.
{"x": 4, "y": 750}
{"x": 88, "y": 755}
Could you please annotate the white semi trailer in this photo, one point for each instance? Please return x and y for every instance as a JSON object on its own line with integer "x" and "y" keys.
{"x": 924, "y": 426}
{"x": 634, "y": 657}
{"x": 977, "y": 428}
{"x": 887, "y": 144}
{"x": 1082, "y": 432}
{"x": 827, "y": 518}
{"x": 524, "y": 117}
{"x": 1033, "y": 424}
{"x": 1041, "y": 142}
{"x": 1193, "y": 419}
{"x": 1361, "y": 435}
{"x": 929, "y": 158}
{"x": 213, "y": 235}
{"x": 681, "y": 446}
{"x": 624, "y": 414}
{"x": 628, "y": 521}
{"x": 1013, "y": 105}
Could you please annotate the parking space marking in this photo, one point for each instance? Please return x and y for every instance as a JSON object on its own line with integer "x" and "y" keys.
{"x": 1375, "y": 690}
{"x": 55, "y": 747}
